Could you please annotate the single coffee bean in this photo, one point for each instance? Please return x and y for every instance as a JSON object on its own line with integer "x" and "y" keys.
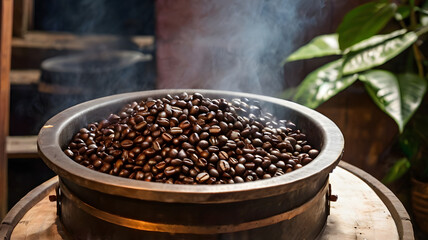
{"x": 185, "y": 124}
{"x": 176, "y": 130}
{"x": 69, "y": 153}
{"x": 313, "y": 153}
{"x": 203, "y": 144}
{"x": 239, "y": 169}
{"x": 224, "y": 165}
{"x": 202, "y": 177}
{"x": 223, "y": 155}
{"x": 238, "y": 179}
{"x": 272, "y": 169}
{"x": 126, "y": 143}
{"x": 214, "y": 173}
{"x": 176, "y": 162}
{"x": 215, "y": 129}
{"x": 169, "y": 171}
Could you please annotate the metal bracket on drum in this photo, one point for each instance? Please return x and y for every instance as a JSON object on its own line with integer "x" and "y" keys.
{"x": 330, "y": 198}
{"x": 57, "y": 197}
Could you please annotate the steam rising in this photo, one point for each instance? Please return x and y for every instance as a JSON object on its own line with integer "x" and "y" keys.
{"x": 235, "y": 45}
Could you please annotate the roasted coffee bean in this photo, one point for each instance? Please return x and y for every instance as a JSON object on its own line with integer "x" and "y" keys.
{"x": 272, "y": 169}
{"x": 203, "y": 144}
{"x": 306, "y": 160}
{"x": 213, "y": 158}
{"x": 105, "y": 167}
{"x": 127, "y": 143}
{"x": 169, "y": 171}
{"x": 176, "y": 130}
{"x": 185, "y": 124}
{"x": 173, "y": 153}
{"x": 238, "y": 179}
{"x": 280, "y": 164}
{"x": 214, "y": 129}
{"x": 161, "y": 165}
{"x": 182, "y": 154}
{"x": 249, "y": 165}
{"x": 214, "y": 173}
{"x": 176, "y": 162}
{"x": 202, "y": 177}
{"x": 240, "y": 169}
{"x": 313, "y": 153}
{"x": 233, "y": 161}
{"x": 69, "y": 153}
{"x": 201, "y": 162}
{"x": 223, "y": 155}
{"x": 176, "y": 138}
{"x": 194, "y": 138}
{"x": 223, "y": 165}
{"x": 213, "y": 149}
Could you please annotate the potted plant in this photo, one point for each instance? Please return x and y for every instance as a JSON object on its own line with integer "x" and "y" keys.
{"x": 369, "y": 37}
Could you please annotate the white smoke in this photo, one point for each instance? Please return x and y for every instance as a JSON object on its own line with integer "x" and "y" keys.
{"x": 236, "y": 45}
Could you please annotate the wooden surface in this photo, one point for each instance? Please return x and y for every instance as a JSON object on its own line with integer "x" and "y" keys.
{"x": 5, "y": 49}
{"x": 24, "y": 77}
{"x": 20, "y": 17}
{"x": 30, "y": 50}
{"x": 24, "y": 205}
{"x": 359, "y": 213}
{"x": 21, "y": 147}
{"x": 395, "y": 207}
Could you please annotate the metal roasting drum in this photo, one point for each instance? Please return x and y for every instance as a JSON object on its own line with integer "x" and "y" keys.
{"x": 94, "y": 205}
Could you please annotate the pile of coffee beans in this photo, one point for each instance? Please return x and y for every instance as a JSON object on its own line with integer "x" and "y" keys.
{"x": 191, "y": 139}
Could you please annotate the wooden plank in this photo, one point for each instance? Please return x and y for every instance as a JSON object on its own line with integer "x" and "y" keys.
{"x": 24, "y": 77}
{"x": 20, "y": 17}
{"x": 21, "y": 147}
{"x": 359, "y": 213}
{"x": 24, "y": 205}
{"x": 395, "y": 207}
{"x": 5, "y": 50}
{"x": 35, "y": 46}
{"x": 30, "y": 15}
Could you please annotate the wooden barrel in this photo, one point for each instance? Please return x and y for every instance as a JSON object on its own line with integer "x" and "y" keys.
{"x": 367, "y": 210}
{"x": 124, "y": 208}
{"x": 71, "y": 79}
{"x": 420, "y": 203}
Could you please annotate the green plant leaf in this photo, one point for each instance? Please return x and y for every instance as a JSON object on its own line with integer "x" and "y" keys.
{"x": 373, "y": 41}
{"x": 423, "y": 16}
{"x": 399, "y": 168}
{"x": 403, "y": 12}
{"x": 376, "y": 55}
{"x": 320, "y": 46}
{"x": 364, "y": 21}
{"x": 409, "y": 142}
{"x": 288, "y": 93}
{"x": 322, "y": 84}
{"x": 399, "y": 97}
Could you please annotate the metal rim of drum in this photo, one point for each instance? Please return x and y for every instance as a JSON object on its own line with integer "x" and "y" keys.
{"x": 49, "y": 147}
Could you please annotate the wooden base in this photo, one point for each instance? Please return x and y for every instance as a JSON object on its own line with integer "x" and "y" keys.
{"x": 365, "y": 210}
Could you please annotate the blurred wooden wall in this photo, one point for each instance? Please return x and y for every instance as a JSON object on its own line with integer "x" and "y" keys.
{"x": 5, "y": 49}
{"x": 368, "y": 132}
